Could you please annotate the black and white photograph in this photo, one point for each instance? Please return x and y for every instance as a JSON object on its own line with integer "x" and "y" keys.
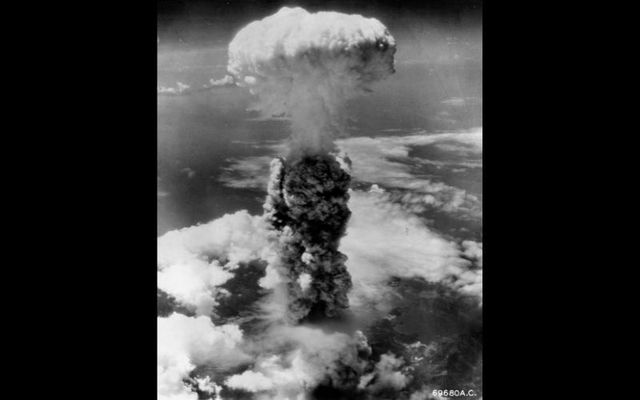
{"x": 319, "y": 200}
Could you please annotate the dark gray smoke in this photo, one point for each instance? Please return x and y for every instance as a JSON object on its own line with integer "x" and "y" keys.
{"x": 306, "y": 66}
{"x": 307, "y": 204}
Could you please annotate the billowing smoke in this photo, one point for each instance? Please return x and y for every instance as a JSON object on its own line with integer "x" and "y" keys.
{"x": 307, "y": 65}
{"x": 307, "y": 204}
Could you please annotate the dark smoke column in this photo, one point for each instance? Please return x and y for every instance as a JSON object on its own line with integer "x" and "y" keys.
{"x": 307, "y": 203}
{"x": 306, "y": 66}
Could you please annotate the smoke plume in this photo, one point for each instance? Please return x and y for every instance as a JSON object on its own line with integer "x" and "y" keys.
{"x": 307, "y": 65}
{"x": 307, "y": 204}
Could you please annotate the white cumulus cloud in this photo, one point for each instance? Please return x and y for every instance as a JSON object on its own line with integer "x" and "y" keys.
{"x": 194, "y": 261}
{"x": 185, "y": 343}
{"x": 383, "y": 241}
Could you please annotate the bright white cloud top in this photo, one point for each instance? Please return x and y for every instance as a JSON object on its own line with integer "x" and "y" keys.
{"x": 307, "y": 65}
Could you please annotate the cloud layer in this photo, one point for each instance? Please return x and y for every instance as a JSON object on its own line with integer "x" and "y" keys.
{"x": 387, "y": 161}
{"x": 187, "y": 342}
{"x": 383, "y": 241}
{"x": 193, "y": 262}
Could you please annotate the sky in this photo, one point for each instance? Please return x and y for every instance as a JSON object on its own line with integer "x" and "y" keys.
{"x": 413, "y": 242}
